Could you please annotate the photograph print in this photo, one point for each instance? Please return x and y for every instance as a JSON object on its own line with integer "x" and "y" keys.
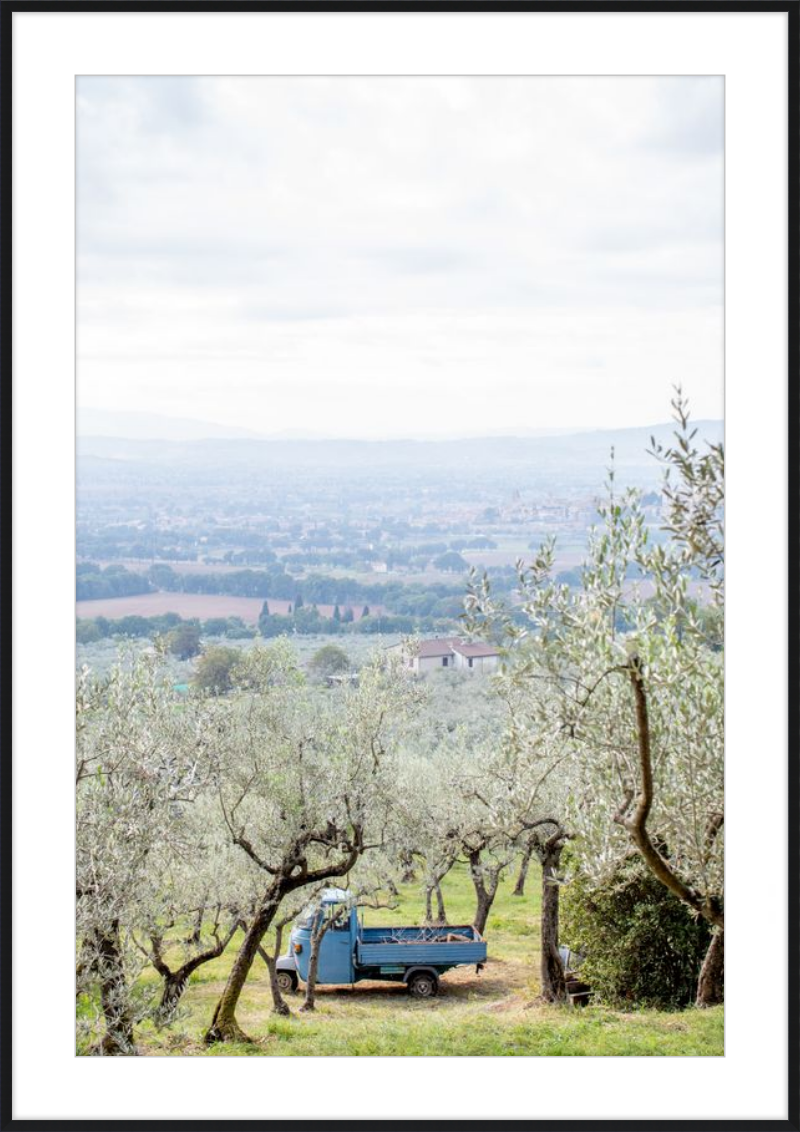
{"x": 400, "y": 566}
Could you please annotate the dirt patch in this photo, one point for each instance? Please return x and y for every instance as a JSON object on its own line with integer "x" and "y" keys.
{"x": 203, "y": 606}
{"x": 510, "y": 1003}
{"x": 496, "y": 980}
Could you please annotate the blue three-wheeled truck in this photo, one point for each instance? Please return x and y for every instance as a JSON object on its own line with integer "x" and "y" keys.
{"x": 349, "y": 952}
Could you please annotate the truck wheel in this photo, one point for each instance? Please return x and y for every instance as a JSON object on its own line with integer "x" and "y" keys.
{"x": 287, "y": 982}
{"x": 423, "y": 985}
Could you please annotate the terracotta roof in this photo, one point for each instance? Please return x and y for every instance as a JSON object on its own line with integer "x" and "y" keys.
{"x": 446, "y": 646}
{"x": 439, "y": 646}
{"x": 474, "y": 650}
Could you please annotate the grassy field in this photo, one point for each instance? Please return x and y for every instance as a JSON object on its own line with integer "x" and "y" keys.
{"x": 102, "y": 655}
{"x": 494, "y": 1013}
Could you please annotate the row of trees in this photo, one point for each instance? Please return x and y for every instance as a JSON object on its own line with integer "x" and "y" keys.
{"x": 183, "y": 636}
{"x": 93, "y": 581}
{"x": 403, "y": 598}
{"x": 314, "y": 549}
{"x": 307, "y": 621}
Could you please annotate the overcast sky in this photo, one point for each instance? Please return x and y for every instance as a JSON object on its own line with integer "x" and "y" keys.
{"x": 384, "y": 257}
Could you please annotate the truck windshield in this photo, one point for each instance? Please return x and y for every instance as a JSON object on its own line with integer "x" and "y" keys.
{"x": 306, "y": 918}
{"x": 338, "y": 915}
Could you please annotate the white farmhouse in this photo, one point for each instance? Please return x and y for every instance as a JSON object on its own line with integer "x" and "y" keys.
{"x": 475, "y": 657}
{"x": 450, "y": 652}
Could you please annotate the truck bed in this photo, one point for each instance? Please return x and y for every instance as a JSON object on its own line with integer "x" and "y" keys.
{"x": 406, "y": 946}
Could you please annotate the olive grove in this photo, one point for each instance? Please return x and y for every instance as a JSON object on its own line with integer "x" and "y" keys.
{"x": 206, "y": 822}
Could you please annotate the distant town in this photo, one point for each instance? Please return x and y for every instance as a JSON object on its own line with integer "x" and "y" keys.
{"x": 251, "y": 537}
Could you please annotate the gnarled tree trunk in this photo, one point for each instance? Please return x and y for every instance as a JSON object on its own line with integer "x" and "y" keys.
{"x": 522, "y": 875}
{"x": 224, "y": 1027}
{"x": 711, "y": 984}
{"x": 174, "y": 986}
{"x": 309, "y": 999}
{"x": 441, "y": 913}
{"x": 279, "y": 1005}
{"x": 175, "y": 982}
{"x": 554, "y": 987}
{"x": 317, "y": 936}
{"x": 293, "y": 874}
{"x": 118, "y": 1038}
{"x": 407, "y": 861}
{"x": 434, "y": 889}
{"x": 705, "y": 904}
{"x": 485, "y": 881}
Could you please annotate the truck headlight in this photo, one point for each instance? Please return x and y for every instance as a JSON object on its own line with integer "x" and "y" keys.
{"x": 298, "y": 947}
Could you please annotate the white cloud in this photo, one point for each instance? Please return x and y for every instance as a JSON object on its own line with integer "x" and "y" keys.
{"x": 380, "y": 256}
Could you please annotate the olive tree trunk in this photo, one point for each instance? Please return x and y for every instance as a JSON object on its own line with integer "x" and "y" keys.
{"x": 114, "y": 1000}
{"x": 175, "y": 982}
{"x": 485, "y": 881}
{"x": 705, "y": 904}
{"x": 554, "y": 987}
{"x": 224, "y": 1027}
{"x": 711, "y": 984}
{"x": 310, "y": 996}
{"x": 522, "y": 875}
{"x": 198, "y": 925}
{"x": 323, "y": 925}
{"x": 293, "y": 874}
{"x": 407, "y": 861}
{"x": 431, "y": 890}
{"x": 441, "y": 912}
{"x": 171, "y": 994}
{"x": 279, "y": 1004}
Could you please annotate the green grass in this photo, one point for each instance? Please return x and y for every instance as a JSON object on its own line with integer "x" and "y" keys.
{"x": 494, "y": 1013}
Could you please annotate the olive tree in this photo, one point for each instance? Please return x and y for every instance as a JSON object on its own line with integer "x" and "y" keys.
{"x": 207, "y": 891}
{"x": 694, "y": 496}
{"x": 137, "y": 777}
{"x": 517, "y": 794}
{"x": 426, "y": 819}
{"x": 304, "y": 783}
{"x": 290, "y": 909}
{"x": 622, "y": 675}
{"x": 470, "y": 813}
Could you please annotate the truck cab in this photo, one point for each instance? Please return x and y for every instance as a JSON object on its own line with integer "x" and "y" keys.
{"x": 336, "y": 946}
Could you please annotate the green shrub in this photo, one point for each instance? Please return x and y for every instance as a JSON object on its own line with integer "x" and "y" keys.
{"x": 214, "y": 671}
{"x": 330, "y": 660}
{"x": 642, "y": 945}
{"x": 86, "y": 632}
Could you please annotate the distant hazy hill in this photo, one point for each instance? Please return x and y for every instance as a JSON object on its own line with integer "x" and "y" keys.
{"x": 581, "y": 450}
{"x": 152, "y": 426}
